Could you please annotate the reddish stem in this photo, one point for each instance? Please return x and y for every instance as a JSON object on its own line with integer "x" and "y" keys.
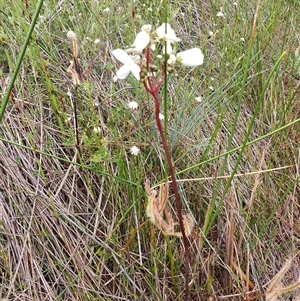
{"x": 152, "y": 87}
{"x": 176, "y": 193}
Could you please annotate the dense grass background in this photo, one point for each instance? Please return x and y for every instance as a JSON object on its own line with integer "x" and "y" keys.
{"x": 72, "y": 219}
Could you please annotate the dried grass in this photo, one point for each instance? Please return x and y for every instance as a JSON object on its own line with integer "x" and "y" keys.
{"x": 70, "y": 233}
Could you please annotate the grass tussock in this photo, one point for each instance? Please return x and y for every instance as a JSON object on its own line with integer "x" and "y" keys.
{"x": 73, "y": 206}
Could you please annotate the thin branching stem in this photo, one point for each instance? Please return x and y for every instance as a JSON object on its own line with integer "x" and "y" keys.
{"x": 176, "y": 193}
{"x": 153, "y": 86}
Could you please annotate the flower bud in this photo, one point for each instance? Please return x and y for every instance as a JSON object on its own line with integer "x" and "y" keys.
{"x": 153, "y": 68}
{"x": 170, "y": 68}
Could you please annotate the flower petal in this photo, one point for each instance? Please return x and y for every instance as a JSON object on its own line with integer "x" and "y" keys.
{"x": 168, "y": 49}
{"x": 141, "y": 41}
{"x": 135, "y": 70}
{"x": 165, "y": 32}
{"x": 123, "y": 71}
{"x": 190, "y": 58}
{"x": 122, "y": 56}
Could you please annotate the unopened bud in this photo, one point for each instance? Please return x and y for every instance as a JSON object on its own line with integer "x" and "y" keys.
{"x": 143, "y": 76}
{"x": 153, "y": 68}
{"x": 170, "y": 69}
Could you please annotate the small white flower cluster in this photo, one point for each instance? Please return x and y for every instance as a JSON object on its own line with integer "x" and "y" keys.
{"x": 71, "y": 35}
{"x": 134, "y": 150}
{"x": 133, "y": 105}
{"x": 135, "y": 60}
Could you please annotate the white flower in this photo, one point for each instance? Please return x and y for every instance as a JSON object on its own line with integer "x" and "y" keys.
{"x": 97, "y": 41}
{"x": 97, "y": 129}
{"x": 220, "y": 14}
{"x": 134, "y": 150}
{"x": 142, "y": 39}
{"x": 190, "y": 58}
{"x": 198, "y": 99}
{"x": 129, "y": 64}
{"x": 166, "y": 33}
{"x": 106, "y": 10}
{"x": 161, "y": 116}
{"x": 133, "y": 105}
{"x": 71, "y": 35}
{"x": 169, "y": 48}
